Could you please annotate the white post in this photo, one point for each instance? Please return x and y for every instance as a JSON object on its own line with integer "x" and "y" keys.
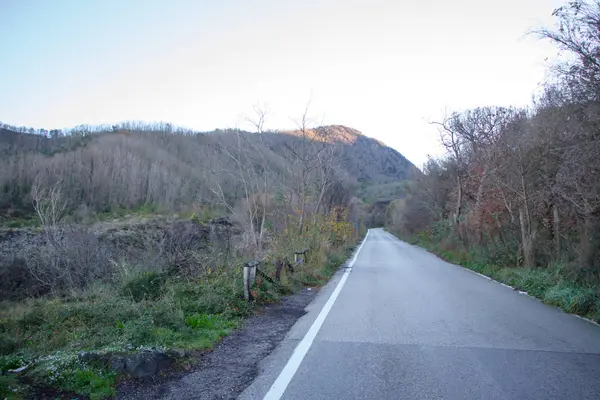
{"x": 247, "y": 282}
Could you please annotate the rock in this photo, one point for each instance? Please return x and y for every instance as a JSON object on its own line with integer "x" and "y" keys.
{"x": 118, "y": 364}
{"x": 141, "y": 366}
{"x": 88, "y": 358}
{"x": 147, "y": 364}
{"x": 176, "y": 353}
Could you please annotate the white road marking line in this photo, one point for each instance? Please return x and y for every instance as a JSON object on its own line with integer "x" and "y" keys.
{"x": 483, "y": 276}
{"x": 476, "y": 273}
{"x": 591, "y": 321}
{"x": 288, "y": 372}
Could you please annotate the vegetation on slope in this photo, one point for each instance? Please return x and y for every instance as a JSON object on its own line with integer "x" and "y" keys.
{"x": 69, "y": 340}
{"x": 517, "y": 196}
{"x": 133, "y": 165}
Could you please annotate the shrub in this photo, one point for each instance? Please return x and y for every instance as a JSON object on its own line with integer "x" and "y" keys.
{"x": 69, "y": 259}
{"x": 202, "y": 321}
{"x": 146, "y": 286}
{"x": 571, "y": 299}
{"x": 510, "y": 276}
{"x": 536, "y": 282}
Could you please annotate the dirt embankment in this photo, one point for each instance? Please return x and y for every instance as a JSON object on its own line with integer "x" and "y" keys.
{"x": 87, "y": 253}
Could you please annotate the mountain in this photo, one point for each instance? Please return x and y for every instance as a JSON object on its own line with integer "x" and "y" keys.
{"x": 128, "y": 166}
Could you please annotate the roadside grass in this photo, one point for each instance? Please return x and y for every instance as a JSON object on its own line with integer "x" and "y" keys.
{"x": 10, "y": 389}
{"x": 23, "y": 222}
{"x": 139, "y": 311}
{"x": 551, "y": 285}
{"x": 49, "y": 333}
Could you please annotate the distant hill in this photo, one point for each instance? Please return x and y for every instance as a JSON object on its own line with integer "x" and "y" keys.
{"x": 127, "y": 167}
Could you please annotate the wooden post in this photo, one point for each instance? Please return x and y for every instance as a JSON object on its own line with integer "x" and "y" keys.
{"x": 249, "y": 276}
{"x": 299, "y": 256}
{"x": 247, "y": 294}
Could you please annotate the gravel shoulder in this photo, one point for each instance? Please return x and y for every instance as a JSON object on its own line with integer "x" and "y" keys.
{"x": 234, "y": 363}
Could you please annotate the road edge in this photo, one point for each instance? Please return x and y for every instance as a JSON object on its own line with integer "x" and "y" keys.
{"x": 591, "y": 321}
{"x": 272, "y": 366}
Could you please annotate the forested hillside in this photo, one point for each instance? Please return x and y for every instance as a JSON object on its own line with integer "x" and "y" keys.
{"x": 521, "y": 187}
{"x": 133, "y": 165}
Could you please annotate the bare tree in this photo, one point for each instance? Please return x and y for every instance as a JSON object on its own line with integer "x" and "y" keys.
{"x": 306, "y": 156}
{"x": 49, "y": 205}
{"x": 577, "y": 31}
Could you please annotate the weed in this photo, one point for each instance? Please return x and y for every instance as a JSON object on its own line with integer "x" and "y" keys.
{"x": 12, "y": 362}
{"x": 571, "y": 298}
{"x": 30, "y": 222}
{"x": 95, "y": 383}
{"x": 10, "y": 389}
{"x": 146, "y": 286}
{"x": 201, "y": 321}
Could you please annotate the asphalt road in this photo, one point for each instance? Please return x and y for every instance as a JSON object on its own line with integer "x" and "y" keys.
{"x": 407, "y": 325}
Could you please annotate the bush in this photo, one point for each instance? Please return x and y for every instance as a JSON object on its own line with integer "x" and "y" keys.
{"x": 69, "y": 259}
{"x": 201, "y": 321}
{"x": 146, "y": 286}
{"x": 510, "y": 276}
{"x": 536, "y": 282}
{"x": 93, "y": 382}
{"x": 572, "y": 299}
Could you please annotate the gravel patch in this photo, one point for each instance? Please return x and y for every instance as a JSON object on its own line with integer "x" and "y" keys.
{"x": 227, "y": 370}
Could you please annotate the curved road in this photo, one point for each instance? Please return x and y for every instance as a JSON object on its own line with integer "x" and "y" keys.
{"x": 407, "y": 325}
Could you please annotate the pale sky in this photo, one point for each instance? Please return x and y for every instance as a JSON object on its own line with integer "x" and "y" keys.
{"x": 383, "y": 67}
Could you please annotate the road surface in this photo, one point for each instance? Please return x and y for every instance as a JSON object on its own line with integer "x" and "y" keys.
{"x": 407, "y": 325}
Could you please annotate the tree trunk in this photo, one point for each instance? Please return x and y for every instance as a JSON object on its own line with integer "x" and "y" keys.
{"x": 556, "y": 232}
{"x": 301, "y": 219}
{"x": 499, "y": 226}
{"x": 586, "y": 249}
{"x": 479, "y": 226}
{"x": 526, "y": 240}
{"x": 458, "y": 201}
{"x": 318, "y": 206}
{"x": 526, "y": 224}
{"x": 263, "y": 218}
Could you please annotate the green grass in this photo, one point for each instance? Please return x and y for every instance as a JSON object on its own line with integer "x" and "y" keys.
{"x": 96, "y": 383}
{"x": 25, "y": 222}
{"x": 192, "y": 314}
{"x": 140, "y": 310}
{"x": 112, "y": 318}
{"x": 10, "y": 389}
{"x": 551, "y": 285}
